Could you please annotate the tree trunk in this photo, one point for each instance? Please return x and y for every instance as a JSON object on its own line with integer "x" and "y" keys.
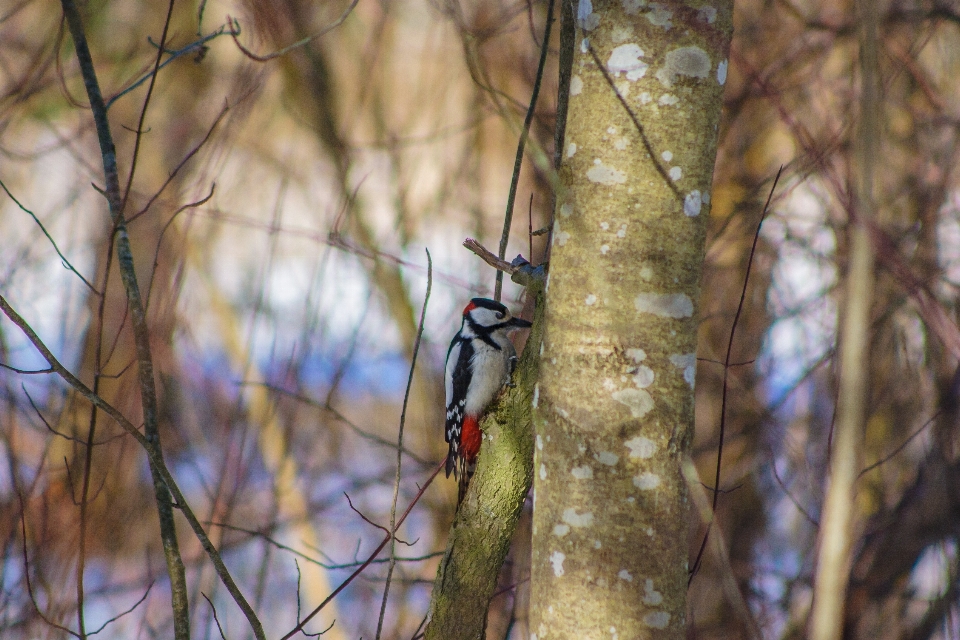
{"x": 614, "y": 406}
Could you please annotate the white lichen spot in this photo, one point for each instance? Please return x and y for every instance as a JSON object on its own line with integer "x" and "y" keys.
{"x": 668, "y": 100}
{"x": 571, "y": 149}
{"x": 621, "y": 143}
{"x": 556, "y": 559}
{"x": 625, "y": 575}
{"x": 706, "y": 197}
{"x": 646, "y": 481}
{"x": 539, "y": 438}
{"x": 630, "y": 500}
{"x": 604, "y": 248}
{"x": 644, "y": 377}
{"x": 576, "y": 85}
{"x": 559, "y": 237}
{"x": 650, "y": 531}
{"x": 609, "y": 385}
{"x": 591, "y": 300}
{"x": 707, "y": 14}
{"x": 632, "y": 7}
{"x": 637, "y": 400}
{"x": 566, "y": 210}
{"x": 722, "y": 72}
{"x": 692, "y": 62}
{"x": 582, "y": 473}
{"x": 652, "y": 597}
{"x": 586, "y": 17}
{"x": 622, "y": 231}
{"x": 604, "y": 225}
{"x": 692, "y": 204}
{"x": 561, "y": 530}
{"x": 641, "y": 447}
{"x": 585, "y": 45}
{"x": 536, "y": 397}
{"x": 626, "y": 59}
{"x": 659, "y": 16}
{"x": 646, "y": 272}
{"x": 667, "y": 156}
{"x": 675, "y": 173}
{"x": 637, "y": 355}
{"x": 668, "y": 305}
{"x": 608, "y": 458}
{"x": 657, "y": 619}
{"x": 645, "y": 97}
{"x": 604, "y": 174}
{"x": 596, "y": 544}
{"x": 623, "y": 88}
{"x": 574, "y": 519}
{"x": 687, "y": 362}
{"x": 543, "y": 471}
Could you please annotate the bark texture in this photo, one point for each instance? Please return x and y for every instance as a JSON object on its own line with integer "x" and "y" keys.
{"x": 614, "y": 405}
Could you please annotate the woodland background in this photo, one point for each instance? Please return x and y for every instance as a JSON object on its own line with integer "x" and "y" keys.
{"x": 279, "y": 214}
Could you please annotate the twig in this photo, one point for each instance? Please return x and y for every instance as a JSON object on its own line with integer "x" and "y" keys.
{"x": 369, "y": 560}
{"x": 636, "y": 123}
{"x": 215, "y": 618}
{"x": 197, "y": 45}
{"x": 63, "y": 258}
{"x": 488, "y": 256}
{"x": 900, "y": 448}
{"x": 403, "y": 419}
{"x": 518, "y": 162}
{"x": 299, "y": 43}
{"x": 726, "y": 372}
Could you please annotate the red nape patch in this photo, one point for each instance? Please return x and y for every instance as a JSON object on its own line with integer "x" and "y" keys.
{"x": 470, "y": 439}
{"x": 470, "y": 307}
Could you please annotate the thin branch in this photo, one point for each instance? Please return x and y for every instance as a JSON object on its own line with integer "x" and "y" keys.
{"x": 215, "y": 618}
{"x": 154, "y": 457}
{"x": 63, "y": 258}
{"x": 636, "y": 123}
{"x": 902, "y": 445}
{"x": 198, "y": 45}
{"x": 403, "y": 419}
{"x": 518, "y": 162}
{"x": 120, "y": 615}
{"x": 299, "y": 43}
{"x": 369, "y": 560}
{"x": 489, "y": 257}
{"x": 726, "y": 372}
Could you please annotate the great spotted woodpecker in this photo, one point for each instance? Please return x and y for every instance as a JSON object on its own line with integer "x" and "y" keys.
{"x": 480, "y": 361}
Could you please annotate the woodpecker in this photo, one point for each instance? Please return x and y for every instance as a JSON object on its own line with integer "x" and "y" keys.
{"x": 480, "y": 361}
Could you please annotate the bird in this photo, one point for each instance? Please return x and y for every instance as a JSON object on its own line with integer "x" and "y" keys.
{"x": 479, "y": 363}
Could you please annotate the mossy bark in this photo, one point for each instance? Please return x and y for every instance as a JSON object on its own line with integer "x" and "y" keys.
{"x": 614, "y": 408}
{"x": 487, "y": 518}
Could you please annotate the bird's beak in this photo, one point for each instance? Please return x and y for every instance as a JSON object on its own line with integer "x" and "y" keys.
{"x": 520, "y": 323}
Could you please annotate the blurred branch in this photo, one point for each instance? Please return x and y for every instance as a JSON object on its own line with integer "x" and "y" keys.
{"x": 403, "y": 420}
{"x": 518, "y": 162}
{"x": 299, "y": 43}
{"x": 369, "y": 560}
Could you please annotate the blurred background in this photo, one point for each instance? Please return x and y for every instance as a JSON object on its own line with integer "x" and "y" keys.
{"x": 279, "y": 215}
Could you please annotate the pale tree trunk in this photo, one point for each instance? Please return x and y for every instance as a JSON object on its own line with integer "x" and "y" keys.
{"x": 838, "y": 520}
{"x": 614, "y": 406}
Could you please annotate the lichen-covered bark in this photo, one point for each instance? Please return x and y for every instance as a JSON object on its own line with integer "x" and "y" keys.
{"x": 614, "y": 405}
{"x": 487, "y": 518}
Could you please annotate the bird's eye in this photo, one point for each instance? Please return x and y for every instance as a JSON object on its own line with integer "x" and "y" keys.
{"x": 499, "y": 315}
